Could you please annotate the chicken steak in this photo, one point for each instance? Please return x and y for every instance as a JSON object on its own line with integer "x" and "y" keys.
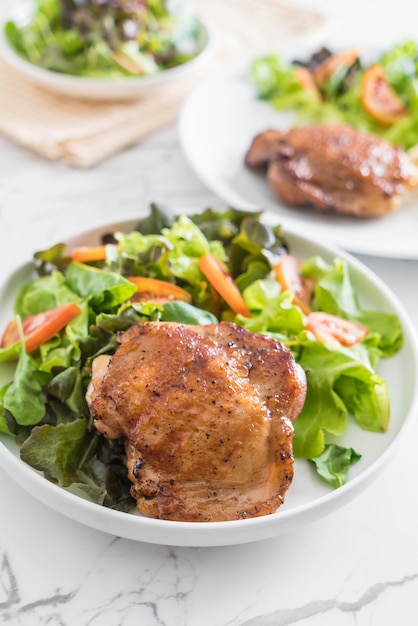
{"x": 206, "y": 414}
{"x": 333, "y": 168}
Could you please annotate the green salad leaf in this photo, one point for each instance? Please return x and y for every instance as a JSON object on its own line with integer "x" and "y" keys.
{"x": 57, "y": 450}
{"x": 334, "y": 463}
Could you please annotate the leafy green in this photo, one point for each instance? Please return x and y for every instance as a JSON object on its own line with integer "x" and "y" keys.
{"x": 23, "y": 397}
{"x": 185, "y": 313}
{"x": 339, "y": 384}
{"x": 105, "y": 290}
{"x": 57, "y": 450}
{"x": 335, "y": 294}
{"x": 334, "y": 463}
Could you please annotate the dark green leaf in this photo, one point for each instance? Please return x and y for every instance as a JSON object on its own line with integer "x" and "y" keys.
{"x": 57, "y": 450}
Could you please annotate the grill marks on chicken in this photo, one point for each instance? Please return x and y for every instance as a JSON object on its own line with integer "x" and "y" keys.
{"x": 333, "y": 168}
{"x": 206, "y": 413}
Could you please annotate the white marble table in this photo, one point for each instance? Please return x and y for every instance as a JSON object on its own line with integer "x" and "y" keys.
{"x": 358, "y": 566}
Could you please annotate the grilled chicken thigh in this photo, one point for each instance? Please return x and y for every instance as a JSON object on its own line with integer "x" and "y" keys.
{"x": 206, "y": 413}
{"x": 333, "y": 168}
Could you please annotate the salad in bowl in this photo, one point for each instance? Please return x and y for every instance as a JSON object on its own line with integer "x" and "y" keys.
{"x": 77, "y": 47}
{"x": 211, "y": 269}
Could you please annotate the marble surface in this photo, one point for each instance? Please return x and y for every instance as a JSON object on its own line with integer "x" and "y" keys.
{"x": 358, "y": 566}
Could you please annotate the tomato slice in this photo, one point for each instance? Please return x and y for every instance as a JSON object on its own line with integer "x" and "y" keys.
{"x": 86, "y": 254}
{"x": 153, "y": 288}
{"x": 333, "y": 329}
{"x": 37, "y": 329}
{"x": 378, "y": 97}
{"x": 220, "y": 279}
{"x": 288, "y": 274}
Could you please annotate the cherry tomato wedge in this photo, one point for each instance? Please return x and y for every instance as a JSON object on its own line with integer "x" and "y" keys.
{"x": 223, "y": 283}
{"x": 37, "y": 329}
{"x": 329, "y": 328}
{"x": 378, "y": 97}
{"x": 288, "y": 274}
{"x": 86, "y": 254}
{"x": 149, "y": 288}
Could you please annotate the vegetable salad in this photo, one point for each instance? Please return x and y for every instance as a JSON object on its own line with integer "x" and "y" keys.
{"x": 378, "y": 95}
{"x": 107, "y": 39}
{"x": 215, "y": 266}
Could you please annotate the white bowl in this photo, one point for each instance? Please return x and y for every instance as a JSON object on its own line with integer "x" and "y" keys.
{"x": 115, "y": 89}
{"x": 308, "y": 497}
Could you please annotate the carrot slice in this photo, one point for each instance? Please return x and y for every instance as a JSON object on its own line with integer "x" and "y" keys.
{"x": 223, "y": 283}
{"x": 39, "y": 328}
{"x": 159, "y": 288}
{"x": 288, "y": 274}
{"x": 86, "y": 254}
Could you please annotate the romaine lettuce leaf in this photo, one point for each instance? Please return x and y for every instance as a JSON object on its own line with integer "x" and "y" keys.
{"x": 23, "y": 397}
{"x": 45, "y": 293}
{"x": 57, "y": 451}
{"x": 339, "y": 384}
{"x": 335, "y": 294}
{"x": 105, "y": 290}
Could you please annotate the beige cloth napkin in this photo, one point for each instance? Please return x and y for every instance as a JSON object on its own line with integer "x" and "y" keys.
{"x": 84, "y": 133}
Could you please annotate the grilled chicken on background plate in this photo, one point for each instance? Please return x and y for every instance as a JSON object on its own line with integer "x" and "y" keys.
{"x": 334, "y": 168}
{"x": 206, "y": 414}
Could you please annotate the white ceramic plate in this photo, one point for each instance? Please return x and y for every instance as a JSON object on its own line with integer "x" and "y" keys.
{"x": 308, "y": 498}
{"x": 217, "y": 123}
{"x": 101, "y": 88}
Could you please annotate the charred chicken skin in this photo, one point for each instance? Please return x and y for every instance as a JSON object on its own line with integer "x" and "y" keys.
{"x": 206, "y": 414}
{"x": 333, "y": 168}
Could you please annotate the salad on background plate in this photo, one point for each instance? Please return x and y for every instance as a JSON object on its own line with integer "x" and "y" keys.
{"x": 352, "y": 339}
{"x": 374, "y": 93}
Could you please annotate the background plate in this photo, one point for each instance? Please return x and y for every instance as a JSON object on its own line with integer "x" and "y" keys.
{"x": 217, "y": 123}
{"x": 308, "y": 498}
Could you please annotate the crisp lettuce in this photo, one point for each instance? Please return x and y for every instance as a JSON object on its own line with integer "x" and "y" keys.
{"x": 339, "y": 385}
{"x": 105, "y": 290}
